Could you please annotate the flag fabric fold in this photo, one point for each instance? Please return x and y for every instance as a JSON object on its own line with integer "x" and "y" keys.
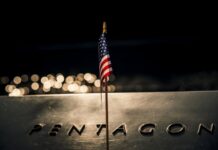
{"x": 105, "y": 67}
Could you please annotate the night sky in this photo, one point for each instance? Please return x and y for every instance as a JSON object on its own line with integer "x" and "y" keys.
{"x": 160, "y": 45}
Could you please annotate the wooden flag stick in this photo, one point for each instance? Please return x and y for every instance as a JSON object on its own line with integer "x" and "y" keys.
{"x": 106, "y": 114}
{"x": 104, "y": 27}
{"x": 106, "y": 99}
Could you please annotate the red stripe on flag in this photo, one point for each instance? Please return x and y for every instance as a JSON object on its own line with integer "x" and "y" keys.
{"x": 105, "y": 64}
{"x": 106, "y": 73}
{"x": 106, "y": 59}
{"x": 105, "y": 68}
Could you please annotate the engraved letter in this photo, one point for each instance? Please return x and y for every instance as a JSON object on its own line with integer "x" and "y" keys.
{"x": 147, "y": 129}
{"x": 203, "y": 127}
{"x": 37, "y": 128}
{"x": 176, "y": 129}
{"x": 120, "y": 129}
{"x": 100, "y": 127}
{"x": 79, "y": 131}
{"x": 54, "y": 131}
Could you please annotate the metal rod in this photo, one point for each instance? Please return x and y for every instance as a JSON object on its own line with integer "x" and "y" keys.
{"x": 106, "y": 115}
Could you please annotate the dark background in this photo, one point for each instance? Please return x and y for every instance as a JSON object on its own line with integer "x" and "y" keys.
{"x": 153, "y": 48}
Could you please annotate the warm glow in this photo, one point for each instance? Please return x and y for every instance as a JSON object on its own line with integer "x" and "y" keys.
{"x": 84, "y": 89}
{"x": 96, "y": 89}
{"x": 50, "y": 77}
{"x": 113, "y": 88}
{"x": 52, "y": 82}
{"x": 35, "y": 77}
{"x": 15, "y": 92}
{"x": 27, "y": 90}
{"x": 47, "y": 85}
{"x": 69, "y": 79}
{"x": 60, "y": 78}
{"x": 80, "y": 83}
{"x": 90, "y": 89}
{"x": 10, "y": 88}
{"x": 22, "y": 91}
{"x": 97, "y": 83}
{"x": 90, "y": 78}
{"x": 73, "y": 87}
{"x": 65, "y": 87}
{"x": 108, "y": 88}
{"x": 46, "y": 90}
{"x": 35, "y": 86}
{"x": 80, "y": 77}
{"x": 44, "y": 79}
{"x": 58, "y": 85}
{"x": 17, "y": 80}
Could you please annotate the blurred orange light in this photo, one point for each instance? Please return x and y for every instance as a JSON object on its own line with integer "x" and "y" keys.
{"x": 80, "y": 77}
{"x": 84, "y": 89}
{"x": 35, "y": 86}
{"x": 17, "y": 80}
{"x": 73, "y": 87}
{"x": 60, "y": 78}
{"x": 46, "y": 90}
{"x": 44, "y": 79}
{"x": 9, "y": 88}
{"x": 58, "y": 85}
{"x": 69, "y": 79}
{"x": 35, "y": 77}
{"x": 47, "y": 85}
{"x": 97, "y": 83}
{"x": 65, "y": 87}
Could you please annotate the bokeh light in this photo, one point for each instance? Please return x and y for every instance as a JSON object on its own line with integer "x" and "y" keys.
{"x": 44, "y": 79}
{"x": 24, "y": 78}
{"x": 58, "y": 85}
{"x": 65, "y": 87}
{"x": 80, "y": 77}
{"x": 69, "y": 79}
{"x": 46, "y": 90}
{"x": 4, "y": 80}
{"x": 35, "y": 77}
{"x": 35, "y": 86}
{"x": 17, "y": 80}
{"x": 84, "y": 89}
{"x": 27, "y": 90}
{"x": 15, "y": 92}
{"x": 47, "y": 85}
{"x": 90, "y": 78}
{"x": 73, "y": 87}
{"x": 97, "y": 83}
{"x": 22, "y": 91}
{"x": 60, "y": 78}
{"x": 51, "y": 77}
{"x": 80, "y": 83}
{"x": 9, "y": 88}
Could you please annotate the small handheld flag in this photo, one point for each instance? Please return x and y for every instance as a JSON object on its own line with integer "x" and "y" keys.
{"x": 105, "y": 70}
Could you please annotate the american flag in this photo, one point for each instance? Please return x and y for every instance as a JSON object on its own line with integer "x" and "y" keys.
{"x": 105, "y": 68}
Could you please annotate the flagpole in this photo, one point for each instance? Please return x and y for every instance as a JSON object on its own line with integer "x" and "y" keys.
{"x": 106, "y": 100}
{"x": 106, "y": 114}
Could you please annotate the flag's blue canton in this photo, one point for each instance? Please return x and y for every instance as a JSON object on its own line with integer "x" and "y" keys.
{"x": 102, "y": 47}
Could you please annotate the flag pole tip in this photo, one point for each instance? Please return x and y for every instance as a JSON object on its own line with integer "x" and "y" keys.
{"x": 104, "y": 27}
